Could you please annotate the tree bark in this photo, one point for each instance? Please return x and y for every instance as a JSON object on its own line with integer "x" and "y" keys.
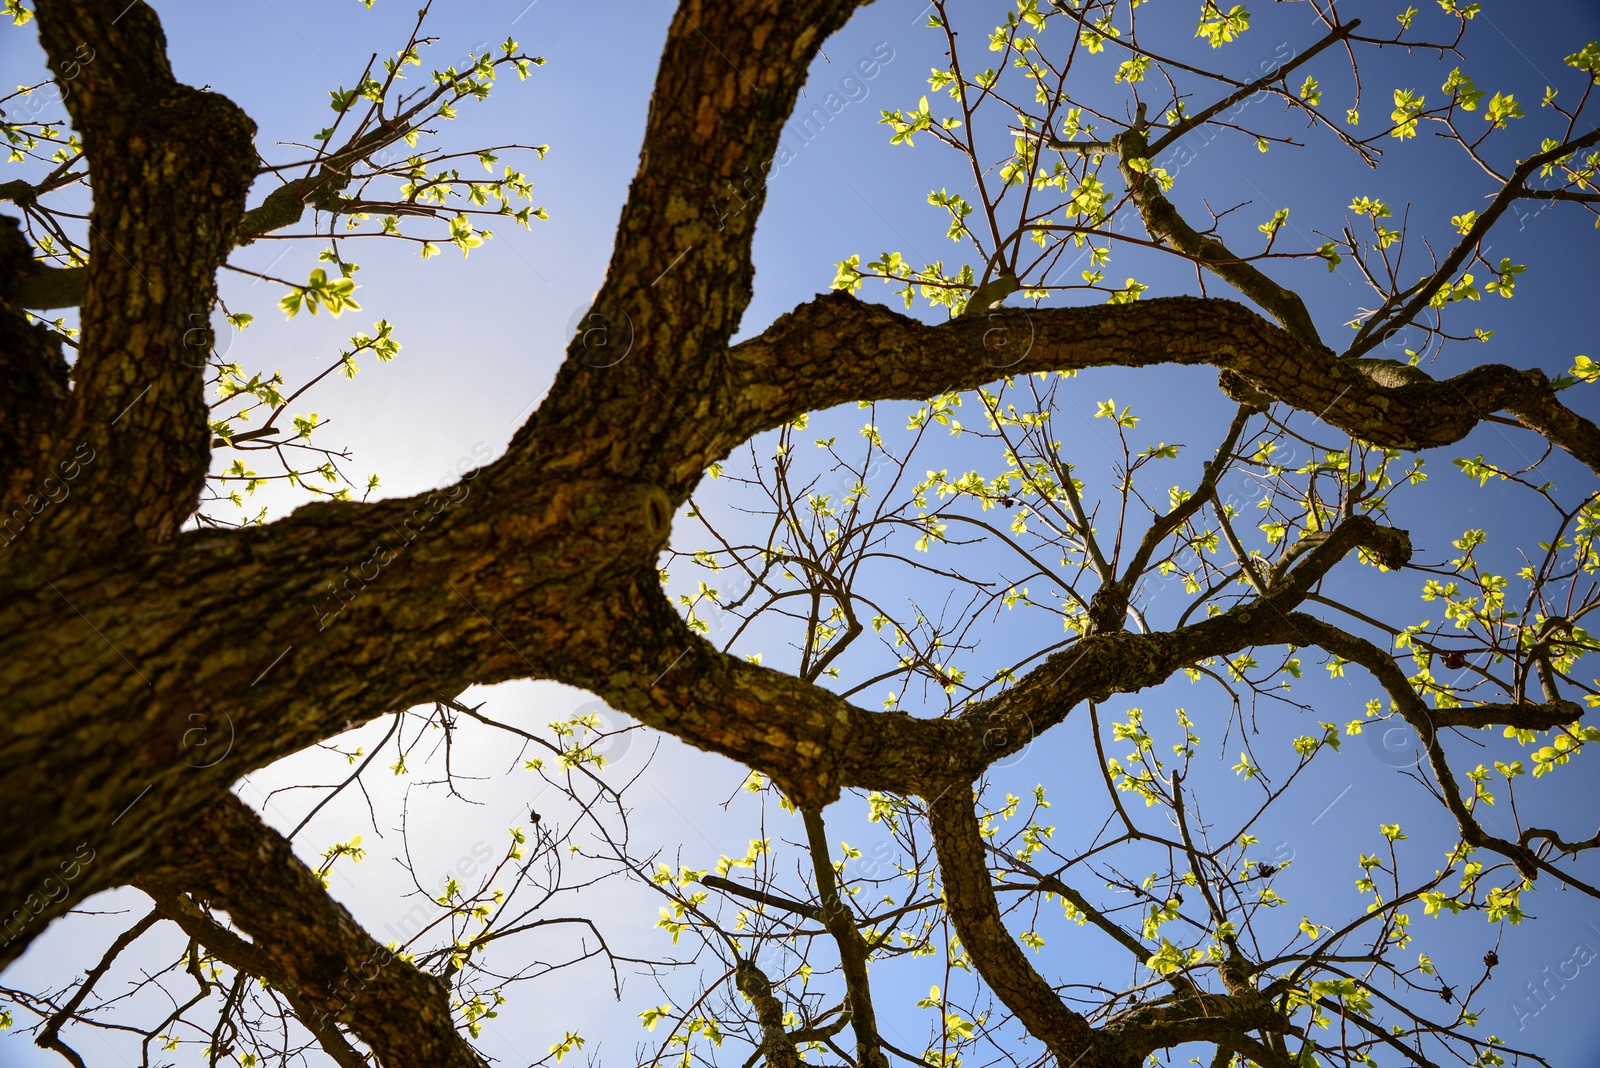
{"x": 305, "y": 943}
{"x": 836, "y": 349}
{"x": 147, "y": 669}
{"x": 130, "y": 646}
{"x": 171, "y": 165}
{"x": 34, "y": 394}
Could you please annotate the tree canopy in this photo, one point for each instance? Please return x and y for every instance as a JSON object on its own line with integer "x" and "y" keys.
{"x": 904, "y": 565}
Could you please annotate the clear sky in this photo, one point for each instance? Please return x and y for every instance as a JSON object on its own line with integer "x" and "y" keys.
{"x": 483, "y": 337}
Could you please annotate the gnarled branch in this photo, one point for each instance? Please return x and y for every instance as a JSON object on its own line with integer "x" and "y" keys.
{"x": 838, "y": 349}
{"x": 305, "y": 943}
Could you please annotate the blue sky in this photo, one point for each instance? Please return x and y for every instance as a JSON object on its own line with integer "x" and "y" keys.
{"x": 483, "y": 337}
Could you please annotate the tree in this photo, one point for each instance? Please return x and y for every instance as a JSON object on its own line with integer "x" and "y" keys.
{"x": 544, "y": 562}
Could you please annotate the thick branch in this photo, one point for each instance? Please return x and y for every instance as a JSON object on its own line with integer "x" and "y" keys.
{"x": 681, "y": 273}
{"x": 964, "y": 870}
{"x": 837, "y": 349}
{"x": 53, "y": 287}
{"x": 1200, "y": 1017}
{"x": 479, "y": 584}
{"x": 66, "y": 287}
{"x": 813, "y": 743}
{"x": 305, "y": 943}
{"x": 171, "y": 167}
{"x": 33, "y": 393}
{"x": 248, "y": 959}
{"x": 1527, "y": 716}
{"x": 532, "y": 576}
{"x": 762, "y": 897}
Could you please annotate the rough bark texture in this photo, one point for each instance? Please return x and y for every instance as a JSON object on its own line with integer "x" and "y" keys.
{"x": 177, "y": 163}
{"x": 305, "y": 943}
{"x": 1124, "y": 1041}
{"x": 964, "y": 869}
{"x": 147, "y": 669}
{"x": 777, "y": 1048}
{"x": 537, "y": 566}
{"x": 33, "y": 396}
{"x": 836, "y": 349}
{"x": 249, "y": 959}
